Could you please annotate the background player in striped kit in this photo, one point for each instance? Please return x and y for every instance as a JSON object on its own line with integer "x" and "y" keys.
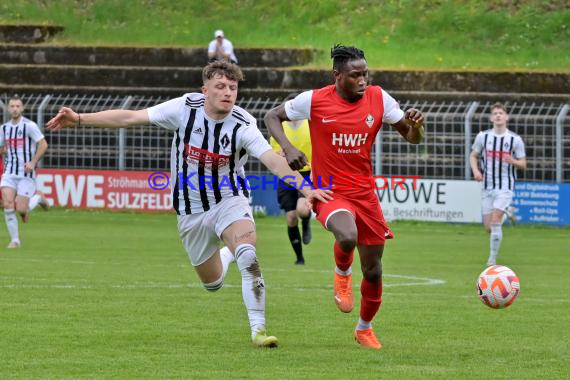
{"x": 211, "y": 142}
{"x": 38, "y": 199}
{"x": 290, "y": 199}
{"x": 23, "y": 145}
{"x": 500, "y": 152}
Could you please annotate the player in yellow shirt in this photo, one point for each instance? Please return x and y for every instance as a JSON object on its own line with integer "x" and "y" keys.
{"x": 290, "y": 200}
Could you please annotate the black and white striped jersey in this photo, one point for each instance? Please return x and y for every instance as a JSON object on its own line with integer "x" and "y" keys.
{"x": 20, "y": 143}
{"x": 207, "y": 157}
{"x": 493, "y": 148}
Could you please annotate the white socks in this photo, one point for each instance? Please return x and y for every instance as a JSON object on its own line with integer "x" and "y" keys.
{"x": 227, "y": 257}
{"x": 34, "y": 201}
{"x": 495, "y": 242}
{"x": 12, "y": 224}
{"x": 363, "y": 325}
{"x": 343, "y": 272}
{"x": 215, "y": 285}
{"x": 252, "y": 287}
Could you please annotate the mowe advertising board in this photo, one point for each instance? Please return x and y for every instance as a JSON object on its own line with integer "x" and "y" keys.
{"x": 432, "y": 200}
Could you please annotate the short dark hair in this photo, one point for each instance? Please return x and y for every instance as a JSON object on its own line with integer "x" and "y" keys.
{"x": 229, "y": 70}
{"x": 500, "y": 106}
{"x": 342, "y": 54}
{"x": 15, "y": 97}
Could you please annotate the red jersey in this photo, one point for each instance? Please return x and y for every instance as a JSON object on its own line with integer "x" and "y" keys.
{"x": 342, "y": 135}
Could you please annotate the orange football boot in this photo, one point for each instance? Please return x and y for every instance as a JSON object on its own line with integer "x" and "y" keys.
{"x": 343, "y": 292}
{"x": 367, "y": 339}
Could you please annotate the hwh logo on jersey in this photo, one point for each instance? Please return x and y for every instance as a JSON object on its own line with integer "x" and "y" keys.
{"x": 349, "y": 139}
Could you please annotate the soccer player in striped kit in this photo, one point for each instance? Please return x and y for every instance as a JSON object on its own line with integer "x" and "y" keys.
{"x": 344, "y": 119}
{"x": 500, "y": 152}
{"x": 23, "y": 145}
{"x": 212, "y": 140}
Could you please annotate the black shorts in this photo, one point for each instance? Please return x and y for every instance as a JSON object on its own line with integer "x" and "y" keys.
{"x": 287, "y": 196}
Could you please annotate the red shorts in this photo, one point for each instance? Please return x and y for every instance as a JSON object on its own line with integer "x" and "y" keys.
{"x": 367, "y": 213}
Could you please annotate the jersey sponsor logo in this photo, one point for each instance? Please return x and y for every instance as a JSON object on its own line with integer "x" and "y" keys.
{"x": 369, "y": 120}
{"x": 199, "y": 131}
{"x": 325, "y": 120}
{"x": 15, "y": 143}
{"x": 349, "y": 139}
{"x": 497, "y": 154}
{"x": 205, "y": 157}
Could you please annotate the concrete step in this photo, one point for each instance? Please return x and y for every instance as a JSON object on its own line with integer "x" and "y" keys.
{"x": 141, "y": 56}
{"x": 282, "y": 78}
{"x": 170, "y": 92}
{"x": 28, "y": 33}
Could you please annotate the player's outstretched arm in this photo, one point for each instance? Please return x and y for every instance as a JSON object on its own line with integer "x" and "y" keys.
{"x": 273, "y": 119}
{"x": 411, "y": 126}
{"x": 67, "y": 118}
{"x": 278, "y": 166}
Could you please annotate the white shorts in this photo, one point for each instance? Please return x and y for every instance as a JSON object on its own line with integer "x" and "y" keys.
{"x": 201, "y": 233}
{"x": 495, "y": 199}
{"x": 25, "y": 186}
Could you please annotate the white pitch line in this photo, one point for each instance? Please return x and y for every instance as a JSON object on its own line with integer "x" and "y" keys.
{"x": 49, "y": 286}
{"x": 423, "y": 281}
{"x": 50, "y": 260}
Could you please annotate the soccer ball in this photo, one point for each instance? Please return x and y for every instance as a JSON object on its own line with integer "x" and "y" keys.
{"x": 498, "y": 286}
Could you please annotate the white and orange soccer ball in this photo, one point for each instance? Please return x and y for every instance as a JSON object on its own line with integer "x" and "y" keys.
{"x": 498, "y": 286}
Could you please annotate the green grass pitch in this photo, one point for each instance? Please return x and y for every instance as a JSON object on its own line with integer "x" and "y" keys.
{"x": 113, "y": 295}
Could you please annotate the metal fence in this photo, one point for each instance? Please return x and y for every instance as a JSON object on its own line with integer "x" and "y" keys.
{"x": 450, "y": 130}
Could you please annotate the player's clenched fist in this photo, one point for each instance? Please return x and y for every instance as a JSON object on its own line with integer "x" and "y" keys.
{"x": 415, "y": 116}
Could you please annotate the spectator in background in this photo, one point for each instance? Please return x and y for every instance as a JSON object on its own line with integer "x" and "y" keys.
{"x": 221, "y": 49}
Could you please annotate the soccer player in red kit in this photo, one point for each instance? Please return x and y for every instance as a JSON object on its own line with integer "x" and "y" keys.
{"x": 344, "y": 119}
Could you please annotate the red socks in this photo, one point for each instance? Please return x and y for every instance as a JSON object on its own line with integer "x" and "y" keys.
{"x": 343, "y": 259}
{"x": 371, "y": 299}
{"x": 371, "y": 292}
